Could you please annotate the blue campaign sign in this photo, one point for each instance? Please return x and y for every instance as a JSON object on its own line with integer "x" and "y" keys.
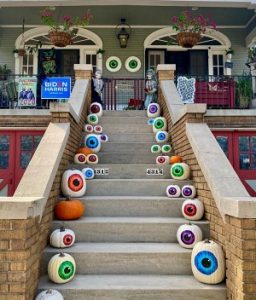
{"x": 56, "y": 88}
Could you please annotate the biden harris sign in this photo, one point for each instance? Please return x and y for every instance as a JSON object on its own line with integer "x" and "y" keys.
{"x": 56, "y": 88}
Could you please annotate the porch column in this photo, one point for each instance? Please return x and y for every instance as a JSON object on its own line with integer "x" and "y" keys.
{"x": 165, "y": 72}
{"x": 83, "y": 71}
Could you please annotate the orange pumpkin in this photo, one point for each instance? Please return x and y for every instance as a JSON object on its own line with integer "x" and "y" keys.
{"x": 84, "y": 150}
{"x": 69, "y": 209}
{"x": 175, "y": 159}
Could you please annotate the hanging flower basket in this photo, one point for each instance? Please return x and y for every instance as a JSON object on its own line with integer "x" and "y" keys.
{"x": 59, "y": 38}
{"x": 188, "y": 39}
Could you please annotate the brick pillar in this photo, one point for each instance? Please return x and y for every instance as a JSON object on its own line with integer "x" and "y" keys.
{"x": 165, "y": 72}
{"x": 83, "y": 71}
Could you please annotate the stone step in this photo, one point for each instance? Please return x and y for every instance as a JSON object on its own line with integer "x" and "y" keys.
{"x": 125, "y": 113}
{"x": 113, "y": 128}
{"x": 130, "y": 187}
{"x": 127, "y": 229}
{"x": 130, "y": 137}
{"x": 123, "y": 147}
{"x": 126, "y": 258}
{"x": 135, "y": 287}
{"x": 108, "y": 120}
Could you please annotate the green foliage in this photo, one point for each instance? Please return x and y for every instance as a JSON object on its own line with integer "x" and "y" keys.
{"x": 244, "y": 90}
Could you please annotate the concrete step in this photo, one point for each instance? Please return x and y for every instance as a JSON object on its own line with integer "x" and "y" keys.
{"x": 131, "y": 127}
{"x": 127, "y": 158}
{"x": 136, "y": 287}
{"x": 127, "y": 229}
{"x": 124, "y": 113}
{"x": 130, "y": 187}
{"x": 126, "y": 258}
{"x": 123, "y": 147}
{"x": 115, "y": 206}
{"x": 130, "y": 137}
{"x": 108, "y": 120}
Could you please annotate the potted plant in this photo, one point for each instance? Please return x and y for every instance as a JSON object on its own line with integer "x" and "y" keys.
{"x": 229, "y": 53}
{"x": 19, "y": 52}
{"x": 62, "y": 32}
{"x": 252, "y": 54}
{"x": 190, "y": 28}
{"x": 4, "y": 72}
{"x": 244, "y": 91}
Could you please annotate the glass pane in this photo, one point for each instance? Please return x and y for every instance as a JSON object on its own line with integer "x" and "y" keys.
{"x": 157, "y": 59}
{"x": 221, "y": 71}
{"x": 244, "y": 161}
{"x": 215, "y": 60}
{"x": 243, "y": 143}
{"x": 221, "y": 60}
{"x": 25, "y": 159}
{"x": 30, "y": 60}
{"x": 26, "y": 142}
{"x": 4, "y": 160}
{"x": 25, "y": 60}
{"x": 215, "y": 71}
{"x": 253, "y": 144}
{"x": 151, "y": 60}
{"x": 4, "y": 142}
{"x": 37, "y": 139}
{"x": 223, "y": 142}
{"x": 253, "y": 162}
{"x": 88, "y": 59}
{"x": 94, "y": 60}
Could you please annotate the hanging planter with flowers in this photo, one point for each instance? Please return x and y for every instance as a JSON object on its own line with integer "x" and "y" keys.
{"x": 61, "y": 33}
{"x": 190, "y": 28}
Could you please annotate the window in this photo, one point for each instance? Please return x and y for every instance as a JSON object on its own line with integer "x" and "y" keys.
{"x": 27, "y": 64}
{"x": 247, "y": 152}
{"x": 91, "y": 59}
{"x": 218, "y": 64}
{"x": 28, "y": 145}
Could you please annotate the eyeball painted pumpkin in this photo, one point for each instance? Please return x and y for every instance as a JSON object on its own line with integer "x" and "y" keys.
{"x": 208, "y": 262}
{"x": 161, "y": 136}
{"x": 180, "y": 171}
{"x": 153, "y": 110}
{"x": 62, "y": 238}
{"x": 173, "y": 191}
{"x": 49, "y": 295}
{"x": 98, "y": 129}
{"x": 80, "y": 158}
{"x": 92, "y": 159}
{"x": 72, "y": 209}
{"x": 193, "y": 209}
{"x": 73, "y": 183}
{"x": 88, "y": 128}
{"x": 92, "y": 119}
{"x": 155, "y": 149}
{"x": 86, "y": 151}
{"x": 88, "y": 173}
{"x": 188, "y": 191}
{"x": 61, "y": 268}
{"x": 166, "y": 149}
{"x": 103, "y": 138}
{"x": 159, "y": 124}
{"x": 162, "y": 160}
{"x": 189, "y": 235}
{"x": 150, "y": 121}
{"x": 175, "y": 159}
{"x": 96, "y": 109}
{"x": 92, "y": 141}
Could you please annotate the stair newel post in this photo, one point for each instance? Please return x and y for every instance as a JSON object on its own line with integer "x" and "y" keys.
{"x": 83, "y": 71}
{"x": 165, "y": 72}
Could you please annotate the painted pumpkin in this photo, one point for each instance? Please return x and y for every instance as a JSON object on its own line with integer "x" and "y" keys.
{"x": 92, "y": 159}
{"x": 80, "y": 159}
{"x": 175, "y": 159}
{"x": 96, "y": 109}
{"x": 88, "y": 128}
{"x": 150, "y": 121}
{"x": 189, "y": 235}
{"x": 49, "y": 295}
{"x": 155, "y": 149}
{"x": 98, "y": 129}
{"x": 93, "y": 142}
{"x": 92, "y": 119}
{"x": 208, "y": 262}
{"x": 104, "y": 138}
{"x": 188, "y": 191}
{"x": 162, "y": 160}
{"x": 173, "y": 191}
{"x": 193, "y": 209}
{"x": 180, "y": 171}
{"x": 69, "y": 209}
{"x": 161, "y": 137}
{"x": 153, "y": 110}
{"x": 88, "y": 173}
{"x": 84, "y": 150}
{"x": 61, "y": 268}
{"x": 73, "y": 183}
{"x": 166, "y": 148}
{"x": 62, "y": 238}
{"x": 160, "y": 124}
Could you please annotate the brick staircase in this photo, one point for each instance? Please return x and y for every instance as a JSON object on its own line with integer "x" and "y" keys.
{"x": 126, "y": 245}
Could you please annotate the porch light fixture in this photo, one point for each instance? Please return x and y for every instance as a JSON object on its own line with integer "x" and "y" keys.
{"x": 123, "y": 31}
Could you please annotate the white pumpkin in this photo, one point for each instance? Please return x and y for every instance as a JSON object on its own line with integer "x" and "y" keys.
{"x": 155, "y": 149}
{"x": 80, "y": 159}
{"x": 96, "y": 109}
{"x": 92, "y": 159}
{"x": 166, "y": 149}
{"x": 62, "y": 238}
{"x": 153, "y": 110}
{"x": 193, "y": 209}
{"x": 49, "y": 295}
{"x": 189, "y": 235}
{"x": 104, "y": 138}
{"x": 88, "y": 128}
{"x": 73, "y": 183}
{"x": 93, "y": 142}
{"x": 88, "y": 173}
{"x": 92, "y": 119}
{"x": 61, "y": 268}
{"x": 161, "y": 136}
{"x": 208, "y": 262}
{"x": 162, "y": 160}
{"x": 98, "y": 129}
{"x": 188, "y": 191}
{"x": 180, "y": 171}
{"x": 173, "y": 191}
{"x": 160, "y": 124}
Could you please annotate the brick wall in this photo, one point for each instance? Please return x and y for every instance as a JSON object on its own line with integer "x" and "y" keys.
{"x": 25, "y": 120}
{"x": 231, "y": 121}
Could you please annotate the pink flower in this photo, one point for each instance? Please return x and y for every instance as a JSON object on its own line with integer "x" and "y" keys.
{"x": 46, "y": 14}
{"x": 66, "y": 18}
{"x": 174, "y": 19}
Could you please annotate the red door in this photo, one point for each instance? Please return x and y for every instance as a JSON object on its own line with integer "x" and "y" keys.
{"x": 16, "y": 151}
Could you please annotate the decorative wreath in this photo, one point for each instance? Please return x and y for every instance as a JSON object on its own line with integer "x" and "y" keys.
{"x": 133, "y": 64}
{"x": 113, "y": 64}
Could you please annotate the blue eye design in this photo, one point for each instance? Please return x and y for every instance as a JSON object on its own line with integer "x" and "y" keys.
{"x": 150, "y": 121}
{"x": 92, "y": 142}
{"x": 206, "y": 262}
{"x": 88, "y": 173}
